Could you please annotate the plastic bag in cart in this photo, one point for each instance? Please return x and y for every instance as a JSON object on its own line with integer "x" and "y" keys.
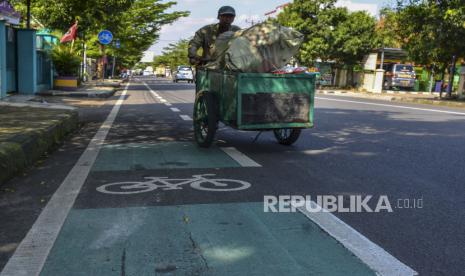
{"x": 261, "y": 48}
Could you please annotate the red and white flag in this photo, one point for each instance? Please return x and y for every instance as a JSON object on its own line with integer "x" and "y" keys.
{"x": 71, "y": 34}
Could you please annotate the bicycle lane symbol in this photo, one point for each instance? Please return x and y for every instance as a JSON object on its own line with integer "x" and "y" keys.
{"x": 198, "y": 182}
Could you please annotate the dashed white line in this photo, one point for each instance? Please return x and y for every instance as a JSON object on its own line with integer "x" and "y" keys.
{"x": 168, "y": 104}
{"x": 155, "y": 94}
{"x": 174, "y": 109}
{"x": 394, "y": 106}
{"x": 185, "y": 117}
{"x": 239, "y": 157}
{"x": 31, "y": 254}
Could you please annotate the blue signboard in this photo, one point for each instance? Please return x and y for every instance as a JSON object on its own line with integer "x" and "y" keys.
{"x": 117, "y": 44}
{"x": 105, "y": 37}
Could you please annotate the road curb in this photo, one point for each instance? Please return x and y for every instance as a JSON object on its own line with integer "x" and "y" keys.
{"x": 24, "y": 149}
{"x": 80, "y": 94}
{"x": 431, "y": 102}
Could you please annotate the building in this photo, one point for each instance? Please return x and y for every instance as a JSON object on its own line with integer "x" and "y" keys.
{"x": 21, "y": 60}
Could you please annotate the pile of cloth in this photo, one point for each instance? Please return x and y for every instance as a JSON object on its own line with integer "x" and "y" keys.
{"x": 262, "y": 48}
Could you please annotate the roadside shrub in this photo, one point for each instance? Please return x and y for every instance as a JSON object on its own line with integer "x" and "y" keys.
{"x": 66, "y": 62}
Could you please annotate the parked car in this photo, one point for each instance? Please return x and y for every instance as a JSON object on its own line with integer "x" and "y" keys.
{"x": 184, "y": 73}
{"x": 399, "y": 76}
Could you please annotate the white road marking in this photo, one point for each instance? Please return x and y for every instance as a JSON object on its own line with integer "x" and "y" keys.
{"x": 156, "y": 95}
{"x": 154, "y": 182}
{"x": 370, "y": 253}
{"x": 174, "y": 109}
{"x": 239, "y": 157}
{"x": 168, "y": 104}
{"x": 185, "y": 117}
{"x": 394, "y": 106}
{"x": 31, "y": 254}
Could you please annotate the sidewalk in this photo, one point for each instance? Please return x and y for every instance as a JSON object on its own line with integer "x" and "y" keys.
{"x": 90, "y": 89}
{"x": 28, "y": 130}
{"x": 398, "y": 96}
{"x": 31, "y": 125}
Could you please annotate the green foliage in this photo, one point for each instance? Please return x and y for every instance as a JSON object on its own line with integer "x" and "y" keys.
{"x": 386, "y": 29}
{"x": 331, "y": 33}
{"x": 66, "y": 61}
{"x": 173, "y": 55}
{"x": 136, "y": 23}
{"x": 353, "y": 38}
{"x": 432, "y": 31}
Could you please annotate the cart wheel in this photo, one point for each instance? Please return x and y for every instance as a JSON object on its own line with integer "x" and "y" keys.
{"x": 205, "y": 119}
{"x": 287, "y": 136}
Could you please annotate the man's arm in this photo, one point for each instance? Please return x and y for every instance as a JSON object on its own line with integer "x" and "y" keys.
{"x": 194, "y": 44}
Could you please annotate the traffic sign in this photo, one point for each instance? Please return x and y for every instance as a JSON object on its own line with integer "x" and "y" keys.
{"x": 117, "y": 44}
{"x": 105, "y": 37}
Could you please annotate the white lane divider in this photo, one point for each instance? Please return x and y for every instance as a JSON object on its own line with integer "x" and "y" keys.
{"x": 239, "y": 157}
{"x": 174, "y": 109}
{"x": 185, "y": 117}
{"x": 155, "y": 94}
{"x": 391, "y": 105}
{"x": 371, "y": 254}
{"x": 168, "y": 104}
{"x": 31, "y": 254}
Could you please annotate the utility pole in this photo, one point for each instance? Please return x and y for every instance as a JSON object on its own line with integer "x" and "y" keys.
{"x": 28, "y": 21}
{"x": 451, "y": 76}
{"x": 251, "y": 21}
{"x": 113, "y": 67}
{"x": 84, "y": 69}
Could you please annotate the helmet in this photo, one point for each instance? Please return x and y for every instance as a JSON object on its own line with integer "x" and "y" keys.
{"x": 226, "y": 10}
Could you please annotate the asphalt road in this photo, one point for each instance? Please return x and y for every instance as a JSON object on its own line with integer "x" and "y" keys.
{"x": 357, "y": 147}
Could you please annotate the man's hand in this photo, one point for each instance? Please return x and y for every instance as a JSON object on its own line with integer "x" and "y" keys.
{"x": 194, "y": 61}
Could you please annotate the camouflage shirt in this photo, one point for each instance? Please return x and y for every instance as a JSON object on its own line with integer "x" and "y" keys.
{"x": 205, "y": 38}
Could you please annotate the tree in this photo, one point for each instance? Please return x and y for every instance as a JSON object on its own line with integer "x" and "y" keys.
{"x": 173, "y": 55}
{"x": 331, "y": 33}
{"x": 353, "y": 39}
{"x": 432, "y": 31}
{"x": 386, "y": 29}
{"x": 136, "y": 23}
{"x": 315, "y": 19}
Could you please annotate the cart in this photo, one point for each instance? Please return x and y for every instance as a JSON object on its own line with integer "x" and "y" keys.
{"x": 253, "y": 101}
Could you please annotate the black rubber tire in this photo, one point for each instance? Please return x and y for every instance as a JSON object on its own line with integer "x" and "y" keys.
{"x": 205, "y": 125}
{"x": 287, "y": 136}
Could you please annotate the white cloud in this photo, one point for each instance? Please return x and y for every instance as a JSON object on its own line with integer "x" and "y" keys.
{"x": 246, "y": 20}
{"x": 185, "y": 24}
{"x": 184, "y": 28}
{"x": 148, "y": 56}
{"x": 351, "y": 6}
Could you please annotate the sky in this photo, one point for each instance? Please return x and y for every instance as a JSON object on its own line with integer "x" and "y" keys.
{"x": 203, "y": 12}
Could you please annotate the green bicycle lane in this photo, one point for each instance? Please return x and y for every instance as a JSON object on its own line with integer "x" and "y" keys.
{"x": 135, "y": 229}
